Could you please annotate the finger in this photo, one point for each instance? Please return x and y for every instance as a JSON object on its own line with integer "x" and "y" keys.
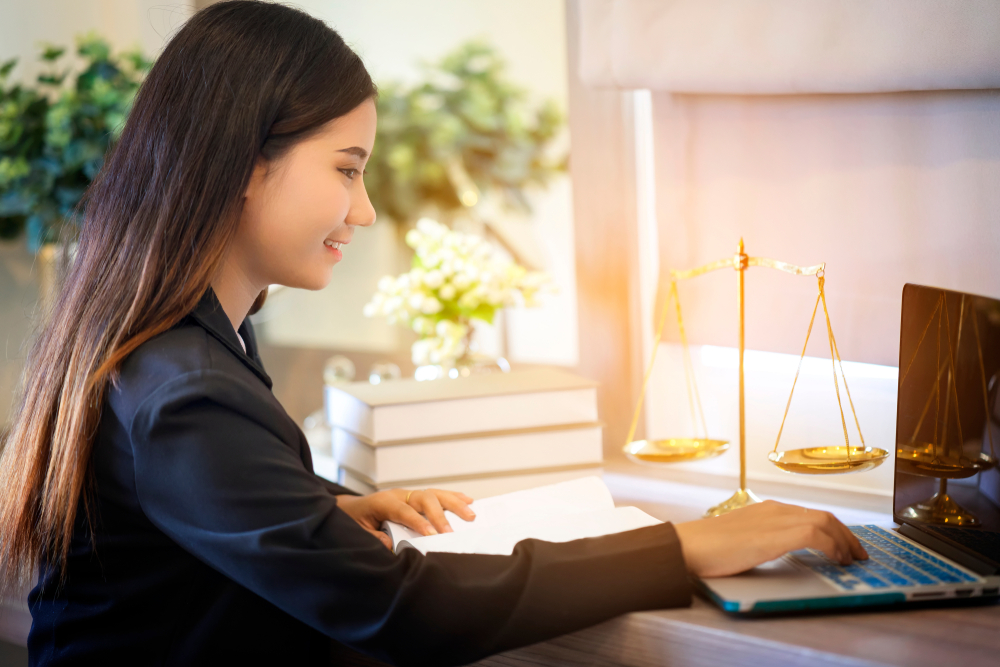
{"x": 382, "y": 537}
{"x": 812, "y": 536}
{"x": 431, "y": 507}
{"x": 847, "y": 542}
{"x": 441, "y": 494}
{"x": 409, "y": 517}
{"x": 455, "y": 502}
{"x": 854, "y": 545}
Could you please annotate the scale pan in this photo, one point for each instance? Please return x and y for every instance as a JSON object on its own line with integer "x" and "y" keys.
{"x": 828, "y": 460}
{"x": 674, "y": 450}
{"x": 919, "y": 458}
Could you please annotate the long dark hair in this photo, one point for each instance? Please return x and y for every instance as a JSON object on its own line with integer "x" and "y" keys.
{"x": 240, "y": 81}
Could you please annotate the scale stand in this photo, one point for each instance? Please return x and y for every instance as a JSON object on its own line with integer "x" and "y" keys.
{"x": 815, "y": 460}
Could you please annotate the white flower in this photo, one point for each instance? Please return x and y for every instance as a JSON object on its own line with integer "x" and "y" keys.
{"x": 423, "y": 326}
{"x": 447, "y": 292}
{"x": 370, "y": 310}
{"x": 431, "y": 228}
{"x": 449, "y": 329}
{"x": 415, "y": 301}
{"x": 386, "y": 284}
{"x": 430, "y": 306}
{"x": 433, "y": 279}
{"x": 461, "y": 281}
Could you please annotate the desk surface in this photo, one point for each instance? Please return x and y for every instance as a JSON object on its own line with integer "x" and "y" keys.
{"x": 703, "y": 635}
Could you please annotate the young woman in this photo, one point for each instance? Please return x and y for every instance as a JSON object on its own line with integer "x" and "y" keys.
{"x": 163, "y": 495}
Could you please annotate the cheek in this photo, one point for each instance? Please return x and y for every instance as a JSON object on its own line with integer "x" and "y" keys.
{"x": 312, "y": 206}
{"x": 289, "y": 225}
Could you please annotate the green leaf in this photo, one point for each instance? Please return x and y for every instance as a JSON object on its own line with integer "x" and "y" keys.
{"x": 93, "y": 47}
{"x": 484, "y": 312}
{"x": 52, "y": 79}
{"x": 52, "y": 53}
{"x": 11, "y": 169}
{"x": 6, "y": 68}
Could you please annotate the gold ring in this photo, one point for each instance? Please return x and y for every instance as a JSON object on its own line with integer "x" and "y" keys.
{"x": 407, "y": 501}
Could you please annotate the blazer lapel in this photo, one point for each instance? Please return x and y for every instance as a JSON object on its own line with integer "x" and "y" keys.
{"x": 210, "y": 315}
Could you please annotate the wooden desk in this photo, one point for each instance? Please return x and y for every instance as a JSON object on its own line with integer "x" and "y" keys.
{"x": 703, "y": 635}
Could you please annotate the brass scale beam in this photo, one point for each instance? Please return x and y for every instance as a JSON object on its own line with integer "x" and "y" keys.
{"x": 740, "y": 262}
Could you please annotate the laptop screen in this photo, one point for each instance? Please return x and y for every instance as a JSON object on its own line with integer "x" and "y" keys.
{"x": 948, "y": 418}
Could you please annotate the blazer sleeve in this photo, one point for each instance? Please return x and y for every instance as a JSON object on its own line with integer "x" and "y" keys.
{"x": 213, "y": 473}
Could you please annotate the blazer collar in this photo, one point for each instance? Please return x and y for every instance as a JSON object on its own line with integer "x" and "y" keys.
{"x": 210, "y": 315}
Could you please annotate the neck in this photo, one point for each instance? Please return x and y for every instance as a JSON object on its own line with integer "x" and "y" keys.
{"x": 236, "y": 292}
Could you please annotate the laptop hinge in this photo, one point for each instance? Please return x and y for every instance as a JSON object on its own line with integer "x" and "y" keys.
{"x": 961, "y": 557}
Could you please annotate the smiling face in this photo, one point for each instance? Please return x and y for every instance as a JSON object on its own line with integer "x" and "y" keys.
{"x": 302, "y": 209}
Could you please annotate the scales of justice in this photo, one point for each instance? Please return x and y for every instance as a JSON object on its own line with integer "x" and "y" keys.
{"x": 812, "y": 460}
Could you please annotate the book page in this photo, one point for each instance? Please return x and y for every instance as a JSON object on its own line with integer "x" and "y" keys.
{"x": 587, "y": 494}
{"x": 501, "y": 540}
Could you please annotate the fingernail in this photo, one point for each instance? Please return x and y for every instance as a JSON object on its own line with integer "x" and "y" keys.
{"x": 448, "y": 529}
{"x": 431, "y": 531}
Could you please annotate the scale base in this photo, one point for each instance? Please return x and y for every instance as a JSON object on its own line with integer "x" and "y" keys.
{"x": 940, "y": 509}
{"x": 741, "y": 498}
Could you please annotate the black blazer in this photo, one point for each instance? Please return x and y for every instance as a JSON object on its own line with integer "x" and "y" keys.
{"x": 214, "y": 542}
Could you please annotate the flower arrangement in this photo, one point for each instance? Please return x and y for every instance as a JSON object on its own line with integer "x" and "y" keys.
{"x": 456, "y": 278}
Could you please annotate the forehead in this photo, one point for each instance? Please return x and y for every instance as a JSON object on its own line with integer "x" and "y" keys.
{"x": 354, "y": 129}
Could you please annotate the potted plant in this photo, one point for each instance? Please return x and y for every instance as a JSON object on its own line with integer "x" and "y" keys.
{"x": 463, "y": 134}
{"x": 53, "y": 138}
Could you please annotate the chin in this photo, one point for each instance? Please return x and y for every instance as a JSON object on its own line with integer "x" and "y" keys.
{"x": 315, "y": 282}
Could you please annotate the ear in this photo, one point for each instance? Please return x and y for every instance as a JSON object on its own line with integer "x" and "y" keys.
{"x": 256, "y": 185}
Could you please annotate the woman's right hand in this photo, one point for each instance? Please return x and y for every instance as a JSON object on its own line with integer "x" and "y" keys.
{"x": 744, "y": 538}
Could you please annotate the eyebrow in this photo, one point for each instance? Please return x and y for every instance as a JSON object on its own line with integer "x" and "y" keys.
{"x": 355, "y": 150}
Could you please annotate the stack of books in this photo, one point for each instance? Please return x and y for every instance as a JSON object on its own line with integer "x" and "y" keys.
{"x": 482, "y": 435}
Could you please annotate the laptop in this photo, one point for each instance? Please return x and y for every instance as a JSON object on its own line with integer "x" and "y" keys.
{"x": 945, "y": 543}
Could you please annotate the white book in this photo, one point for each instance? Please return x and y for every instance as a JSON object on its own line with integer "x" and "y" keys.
{"x": 555, "y": 513}
{"x": 407, "y": 409}
{"x": 406, "y": 462}
{"x": 485, "y": 486}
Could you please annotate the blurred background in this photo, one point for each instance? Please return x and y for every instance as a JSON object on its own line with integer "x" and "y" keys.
{"x": 602, "y": 142}
{"x": 514, "y": 73}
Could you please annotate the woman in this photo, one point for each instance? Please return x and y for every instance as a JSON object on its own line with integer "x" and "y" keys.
{"x": 153, "y": 480}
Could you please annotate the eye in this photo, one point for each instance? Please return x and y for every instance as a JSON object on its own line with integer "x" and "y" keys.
{"x": 350, "y": 173}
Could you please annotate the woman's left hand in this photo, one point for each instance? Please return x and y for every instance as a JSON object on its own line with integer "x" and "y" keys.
{"x": 408, "y": 508}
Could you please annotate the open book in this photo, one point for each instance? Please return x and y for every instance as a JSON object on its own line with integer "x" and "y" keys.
{"x": 556, "y": 513}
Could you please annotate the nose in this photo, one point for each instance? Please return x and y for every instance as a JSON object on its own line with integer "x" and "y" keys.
{"x": 362, "y": 213}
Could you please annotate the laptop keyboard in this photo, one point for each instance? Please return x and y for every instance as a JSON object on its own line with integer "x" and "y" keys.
{"x": 891, "y": 562}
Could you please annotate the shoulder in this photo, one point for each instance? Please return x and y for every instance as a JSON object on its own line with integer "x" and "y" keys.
{"x": 185, "y": 361}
